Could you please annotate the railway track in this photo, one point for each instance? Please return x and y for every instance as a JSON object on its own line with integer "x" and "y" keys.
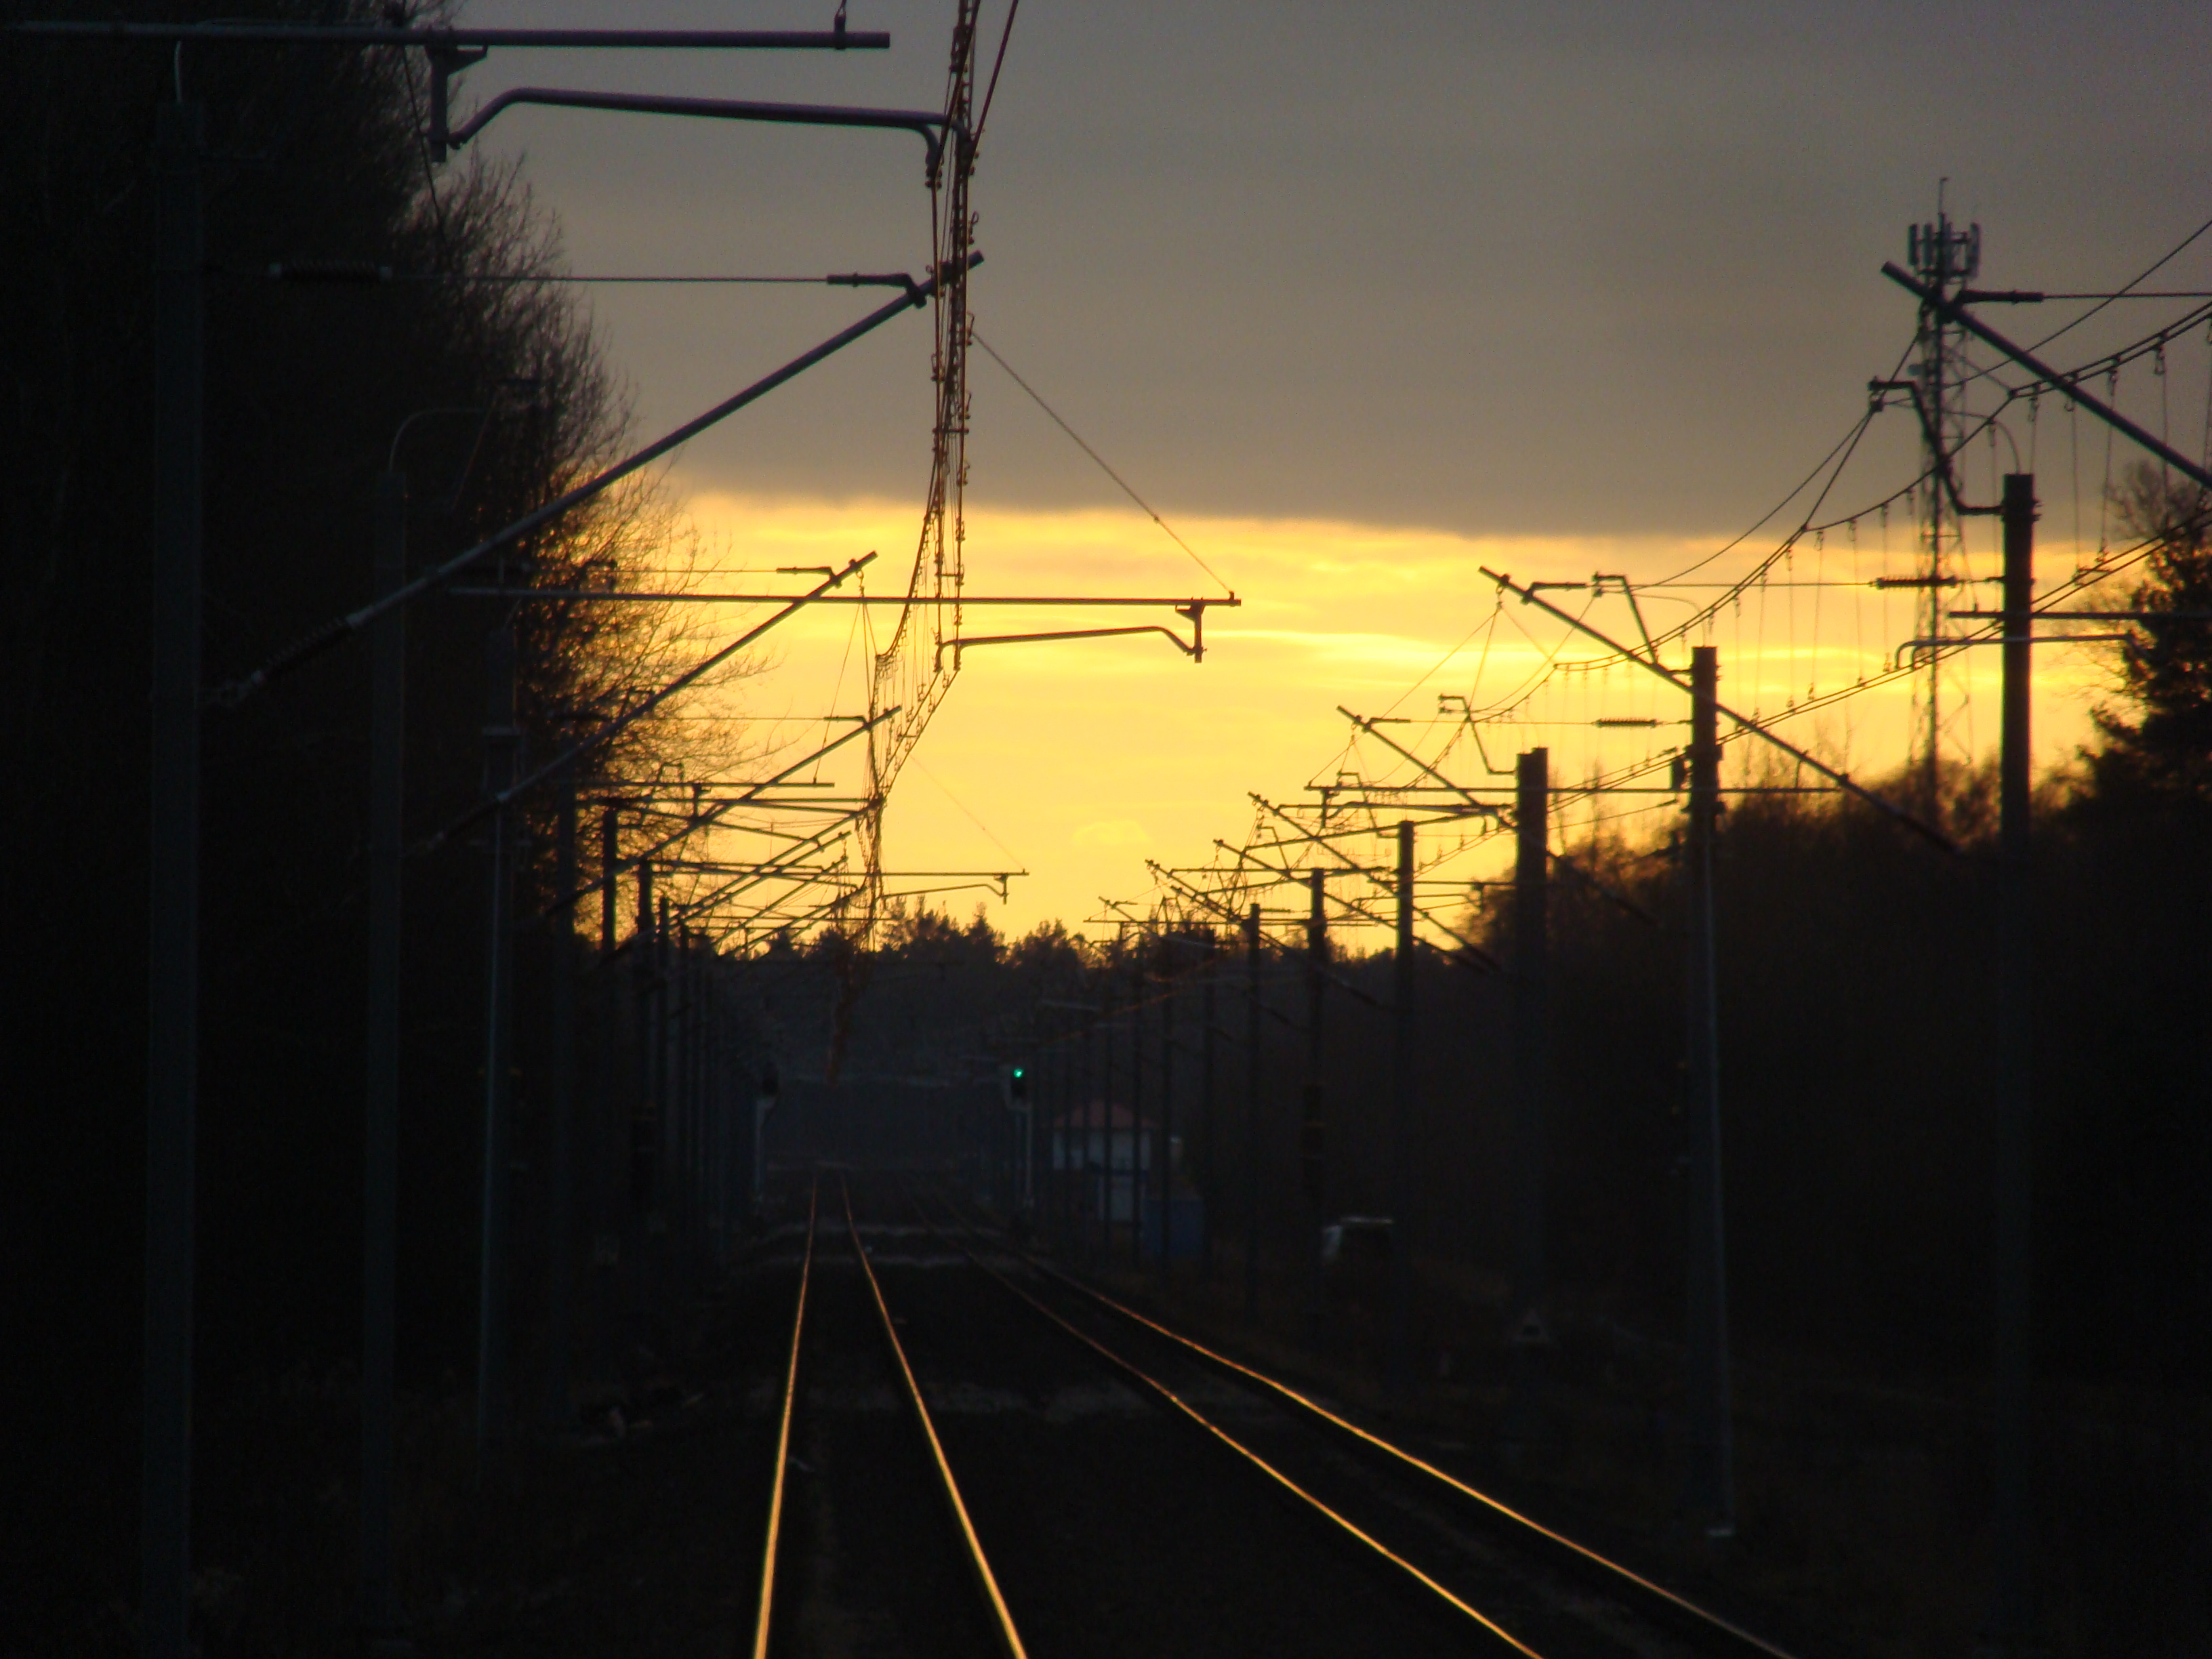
{"x": 866, "y": 1561}
{"x": 1122, "y": 1488}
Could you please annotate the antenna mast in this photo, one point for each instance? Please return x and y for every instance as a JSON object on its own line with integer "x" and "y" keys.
{"x": 1946, "y": 257}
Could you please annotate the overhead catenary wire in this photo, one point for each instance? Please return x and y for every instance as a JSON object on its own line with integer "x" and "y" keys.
{"x": 2126, "y": 289}
{"x": 1560, "y": 683}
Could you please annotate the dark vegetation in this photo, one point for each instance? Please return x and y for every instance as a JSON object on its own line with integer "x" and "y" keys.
{"x": 306, "y": 385}
{"x": 1858, "y": 984}
{"x": 1856, "y": 968}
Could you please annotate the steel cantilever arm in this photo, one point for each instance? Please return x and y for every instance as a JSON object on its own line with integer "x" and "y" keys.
{"x": 364, "y": 34}
{"x": 1194, "y": 648}
{"x": 637, "y": 711}
{"x": 931, "y": 126}
{"x": 1952, "y": 312}
{"x": 332, "y": 633}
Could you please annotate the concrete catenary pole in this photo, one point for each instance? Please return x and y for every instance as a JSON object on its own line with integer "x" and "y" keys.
{"x": 502, "y": 739}
{"x": 1209, "y": 1107}
{"x": 1712, "y": 1495}
{"x": 380, "y": 1614}
{"x": 609, "y": 1144}
{"x": 173, "y": 978}
{"x": 1312, "y": 1130}
{"x": 1252, "y": 1114}
{"x": 2011, "y": 1613}
{"x": 1136, "y": 1105}
{"x": 1396, "y": 1369}
{"x": 1528, "y": 1332}
{"x": 559, "y": 1213}
{"x": 1164, "y": 1152}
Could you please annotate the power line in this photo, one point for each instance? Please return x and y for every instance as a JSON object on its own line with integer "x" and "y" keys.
{"x": 2152, "y": 269}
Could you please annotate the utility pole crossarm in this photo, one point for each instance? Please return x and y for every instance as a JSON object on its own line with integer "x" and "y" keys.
{"x": 1192, "y": 610}
{"x": 1484, "y": 809}
{"x": 1946, "y": 474}
{"x": 711, "y": 819}
{"x": 1306, "y": 835}
{"x": 1193, "y": 891}
{"x": 1030, "y": 601}
{"x": 712, "y": 815}
{"x": 778, "y": 868}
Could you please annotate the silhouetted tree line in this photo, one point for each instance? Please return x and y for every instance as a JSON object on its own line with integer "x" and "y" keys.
{"x": 316, "y": 158}
{"x": 1856, "y": 969}
{"x": 1856, "y": 980}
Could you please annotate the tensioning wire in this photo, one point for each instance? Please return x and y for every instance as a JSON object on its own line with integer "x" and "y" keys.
{"x": 1440, "y": 663}
{"x": 991, "y": 352}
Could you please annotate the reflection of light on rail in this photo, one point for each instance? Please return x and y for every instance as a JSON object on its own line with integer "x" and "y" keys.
{"x": 1248, "y": 1454}
{"x": 984, "y": 1576}
{"x": 783, "y": 1434}
{"x": 1702, "y": 1615}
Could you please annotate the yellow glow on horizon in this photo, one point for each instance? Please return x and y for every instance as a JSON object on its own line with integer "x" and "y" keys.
{"x": 1080, "y": 759}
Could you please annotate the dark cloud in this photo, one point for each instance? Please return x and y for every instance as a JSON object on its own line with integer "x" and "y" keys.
{"x": 1591, "y": 268}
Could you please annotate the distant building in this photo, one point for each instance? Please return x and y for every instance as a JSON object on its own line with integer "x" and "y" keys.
{"x": 1108, "y": 1146}
{"x": 1106, "y": 1155}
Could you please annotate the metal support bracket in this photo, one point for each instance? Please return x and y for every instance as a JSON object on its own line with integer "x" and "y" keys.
{"x": 1194, "y": 648}
{"x": 446, "y": 62}
{"x": 932, "y": 128}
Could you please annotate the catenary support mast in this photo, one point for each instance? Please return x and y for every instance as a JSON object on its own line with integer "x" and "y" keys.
{"x": 2011, "y": 1612}
{"x": 1527, "y": 1330}
{"x": 173, "y": 997}
{"x": 1712, "y": 1481}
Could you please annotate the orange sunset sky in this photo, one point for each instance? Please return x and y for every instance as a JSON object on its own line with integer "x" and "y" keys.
{"x": 1361, "y": 298}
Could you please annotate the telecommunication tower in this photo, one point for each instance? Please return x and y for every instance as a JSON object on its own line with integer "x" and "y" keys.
{"x": 1946, "y": 257}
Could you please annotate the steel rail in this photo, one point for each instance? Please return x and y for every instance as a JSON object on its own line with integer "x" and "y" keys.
{"x": 783, "y": 1433}
{"x": 1183, "y": 1406}
{"x": 1704, "y": 1618}
{"x": 1008, "y": 1635}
